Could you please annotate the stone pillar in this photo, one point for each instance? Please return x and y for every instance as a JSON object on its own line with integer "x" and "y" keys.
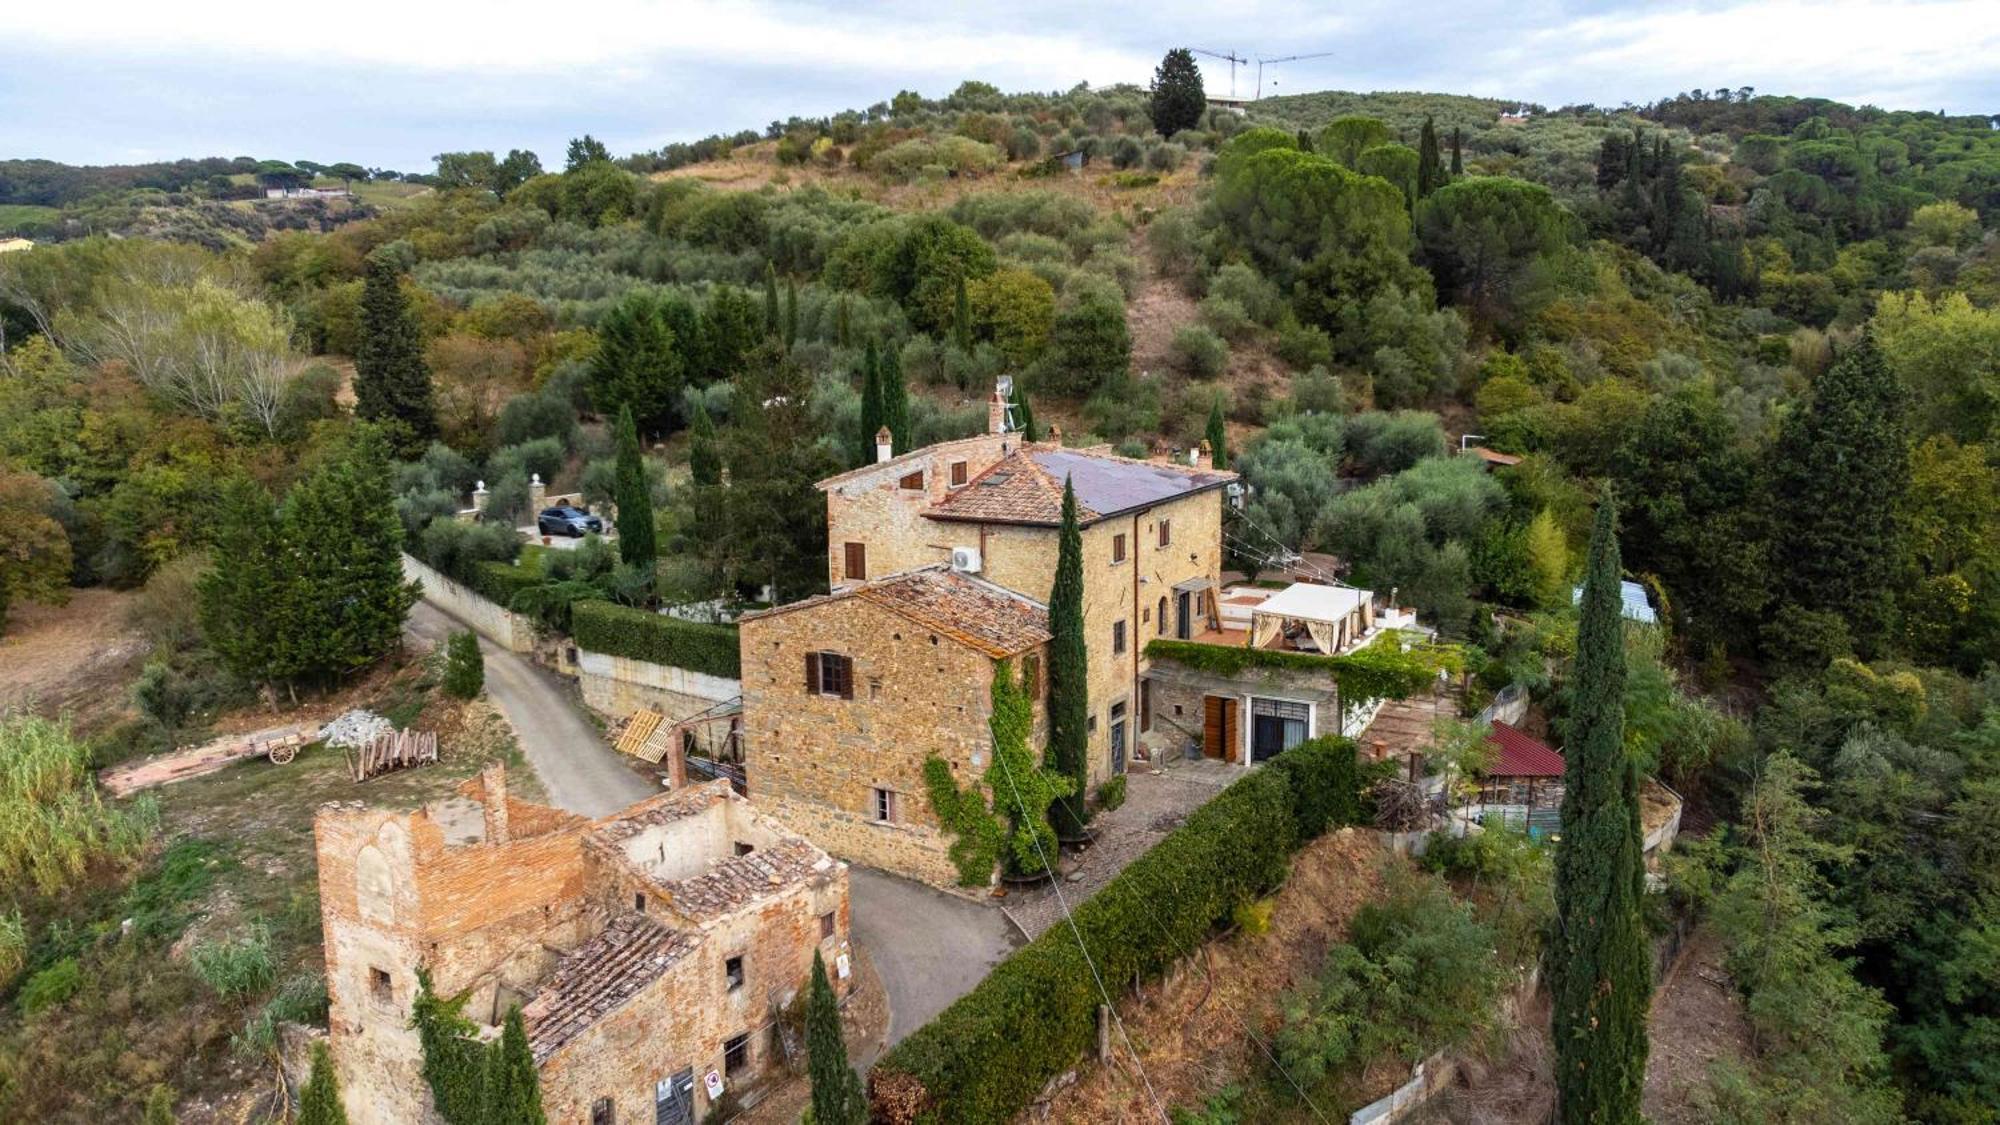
{"x": 885, "y": 445}
{"x": 479, "y": 496}
{"x": 537, "y": 492}
{"x": 493, "y": 799}
{"x": 677, "y": 766}
{"x": 996, "y": 413}
{"x": 1205, "y": 456}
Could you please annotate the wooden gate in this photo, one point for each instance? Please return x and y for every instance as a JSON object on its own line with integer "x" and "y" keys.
{"x": 1218, "y": 727}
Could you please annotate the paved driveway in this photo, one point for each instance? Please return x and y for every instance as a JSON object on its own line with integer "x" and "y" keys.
{"x": 579, "y": 772}
{"x": 928, "y": 947}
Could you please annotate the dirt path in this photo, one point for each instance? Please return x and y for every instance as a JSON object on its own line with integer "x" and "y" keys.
{"x": 74, "y": 657}
{"x": 1697, "y": 1019}
{"x": 581, "y": 773}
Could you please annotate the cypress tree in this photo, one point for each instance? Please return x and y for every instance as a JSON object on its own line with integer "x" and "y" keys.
{"x": 704, "y": 459}
{"x": 511, "y": 1092}
{"x": 639, "y": 361}
{"x": 1069, "y": 674}
{"x": 1218, "y": 435}
{"x": 961, "y": 319}
{"x": 791, "y": 311}
{"x": 872, "y": 417}
{"x": 842, "y": 322}
{"x": 392, "y": 383}
{"x": 1457, "y": 157}
{"x": 453, "y": 1061}
{"x": 241, "y": 596}
{"x": 1429, "y": 174}
{"x": 320, "y": 1104}
{"x": 636, "y": 544}
{"x": 771, "y": 322}
{"x": 1304, "y": 141}
{"x": 1600, "y": 975}
{"x": 1178, "y": 97}
{"x": 1841, "y": 467}
{"x": 1024, "y": 414}
{"x": 895, "y": 400}
{"x": 464, "y": 665}
{"x": 836, "y": 1089}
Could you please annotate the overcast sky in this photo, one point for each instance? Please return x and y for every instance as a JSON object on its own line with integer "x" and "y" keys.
{"x": 389, "y": 83}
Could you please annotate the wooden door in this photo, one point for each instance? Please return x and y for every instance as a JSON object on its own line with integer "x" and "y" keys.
{"x": 1218, "y": 727}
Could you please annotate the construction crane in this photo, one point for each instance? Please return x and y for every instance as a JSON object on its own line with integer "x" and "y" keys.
{"x": 1274, "y": 80}
{"x": 1233, "y": 58}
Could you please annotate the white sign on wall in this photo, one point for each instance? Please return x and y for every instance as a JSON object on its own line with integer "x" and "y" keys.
{"x": 841, "y": 966}
{"x": 713, "y": 1082}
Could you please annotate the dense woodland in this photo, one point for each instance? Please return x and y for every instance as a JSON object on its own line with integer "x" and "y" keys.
{"x": 1767, "y": 327}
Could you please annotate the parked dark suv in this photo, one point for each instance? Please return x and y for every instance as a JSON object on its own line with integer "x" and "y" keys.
{"x": 565, "y": 520}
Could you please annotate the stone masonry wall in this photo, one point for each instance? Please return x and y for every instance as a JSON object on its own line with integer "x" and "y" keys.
{"x": 814, "y": 762}
{"x": 618, "y": 686}
{"x": 510, "y": 631}
{"x": 1176, "y": 685}
{"x": 868, "y": 506}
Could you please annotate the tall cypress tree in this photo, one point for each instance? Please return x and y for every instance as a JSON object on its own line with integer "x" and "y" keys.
{"x": 872, "y": 416}
{"x": 511, "y": 1093}
{"x": 1024, "y": 414}
{"x": 241, "y": 596}
{"x": 1069, "y": 674}
{"x": 791, "y": 311}
{"x": 1218, "y": 435}
{"x": 636, "y": 544}
{"x": 836, "y": 1089}
{"x": 1429, "y": 172}
{"x": 704, "y": 458}
{"x": 895, "y": 400}
{"x": 1840, "y": 469}
{"x": 961, "y": 319}
{"x": 1600, "y": 975}
{"x": 1457, "y": 155}
{"x": 344, "y": 597}
{"x": 842, "y": 322}
{"x": 319, "y": 1104}
{"x": 771, "y": 322}
{"x": 392, "y": 383}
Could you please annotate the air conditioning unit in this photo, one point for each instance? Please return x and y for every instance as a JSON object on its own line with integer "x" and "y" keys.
{"x": 965, "y": 560}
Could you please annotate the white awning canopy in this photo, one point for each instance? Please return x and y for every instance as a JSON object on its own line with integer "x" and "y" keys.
{"x": 1333, "y": 617}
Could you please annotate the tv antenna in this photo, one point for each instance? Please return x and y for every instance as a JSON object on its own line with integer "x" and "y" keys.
{"x": 1233, "y": 58}
{"x": 1274, "y": 81}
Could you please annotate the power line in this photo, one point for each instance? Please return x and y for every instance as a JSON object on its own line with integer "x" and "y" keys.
{"x": 1082, "y": 946}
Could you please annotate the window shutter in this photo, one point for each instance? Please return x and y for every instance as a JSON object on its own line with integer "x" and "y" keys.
{"x": 812, "y": 673}
{"x": 847, "y": 680}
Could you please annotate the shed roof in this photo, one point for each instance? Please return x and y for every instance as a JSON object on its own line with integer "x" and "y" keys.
{"x": 1522, "y": 756}
{"x": 1636, "y": 606}
{"x": 969, "y": 610}
{"x": 1027, "y": 486}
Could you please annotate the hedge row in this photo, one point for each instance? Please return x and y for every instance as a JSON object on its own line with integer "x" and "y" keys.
{"x": 986, "y": 1057}
{"x": 1384, "y": 670}
{"x": 656, "y": 638}
{"x": 498, "y": 582}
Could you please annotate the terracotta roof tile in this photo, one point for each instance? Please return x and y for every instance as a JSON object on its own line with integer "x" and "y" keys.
{"x": 596, "y": 978}
{"x": 1027, "y": 486}
{"x": 969, "y": 610}
{"x": 738, "y": 881}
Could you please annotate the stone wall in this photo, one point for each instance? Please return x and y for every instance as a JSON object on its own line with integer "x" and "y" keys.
{"x": 510, "y": 631}
{"x": 868, "y": 505}
{"x": 1178, "y": 692}
{"x": 815, "y": 761}
{"x": 618, "y": 686}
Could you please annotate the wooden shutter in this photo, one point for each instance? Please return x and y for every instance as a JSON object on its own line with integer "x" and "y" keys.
{"x": 846, "y": 676}
{"x": 812, "y": 673}
{"x": 857, "y": 562}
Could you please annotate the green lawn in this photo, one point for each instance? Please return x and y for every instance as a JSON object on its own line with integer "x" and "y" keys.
{"x": 25, "y": 218}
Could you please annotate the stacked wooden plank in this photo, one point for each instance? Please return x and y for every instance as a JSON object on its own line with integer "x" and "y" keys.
{"x": 393, "y": 751}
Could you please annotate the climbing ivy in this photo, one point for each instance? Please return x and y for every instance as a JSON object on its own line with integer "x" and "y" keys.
{"x": 454, "y": 1061}
{"x": 975, "y": 846}
{"x": 1022, "y": 793}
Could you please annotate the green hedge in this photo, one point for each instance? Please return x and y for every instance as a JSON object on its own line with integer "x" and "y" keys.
{"x": 656, "y": 638}
{"x": 986, "y": 1057}
{"x": 498, "y": 582}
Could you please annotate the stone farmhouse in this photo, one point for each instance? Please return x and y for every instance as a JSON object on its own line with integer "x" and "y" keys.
{"x": 650, "y": 950}
{"x": 940, "y": 563}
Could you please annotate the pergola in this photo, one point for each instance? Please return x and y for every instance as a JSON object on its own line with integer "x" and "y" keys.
{"x": 1332, "y": 617}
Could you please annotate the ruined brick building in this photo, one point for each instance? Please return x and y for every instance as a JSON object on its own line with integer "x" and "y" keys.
{"x": 940, "y": 563}
{"x": 650, "y": 950}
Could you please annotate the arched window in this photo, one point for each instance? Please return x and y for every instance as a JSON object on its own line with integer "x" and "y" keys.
{"x": 1163, "y": 616}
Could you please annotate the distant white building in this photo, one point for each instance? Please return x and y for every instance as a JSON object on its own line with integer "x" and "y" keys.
{"x": 306, "y": 193}
{"x": 9, "y": 245}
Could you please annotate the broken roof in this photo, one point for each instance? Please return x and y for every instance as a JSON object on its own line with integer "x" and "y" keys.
{"x": 1027, "y": 487}
{"x": 596, "y": 978}
{"x": 738, "y": 881}
{"x": 972, "y": 611}
{"x": 1522, "y": 756}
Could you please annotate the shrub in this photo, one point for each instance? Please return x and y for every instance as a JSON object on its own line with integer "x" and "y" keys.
{"x": 1111, "y": 793}
{"x": 1253, "y": 918}
{"x": 236, "y": 968}
{"x": 1225, "y": 316}
{"x": 1199, "y": 351}
{"x": 1325, "y": 783}
{"x": 50, "y": 987}
{"x": 52, "y": 824}
{"x": 985, "y": 1057}
{"x": 302, "y": 1000}
{"x": 655, "y": 638}
{"x": 464, "y": 667}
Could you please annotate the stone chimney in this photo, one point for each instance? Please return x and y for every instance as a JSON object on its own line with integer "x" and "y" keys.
{"x": 537, "y": 492}
{"x": 996, "y": 413}
{"x": 479, "y": 496}
{"x": 1204, "y": 457}
{"x": 493, "y": 799}
{"x": 885, "y": 445}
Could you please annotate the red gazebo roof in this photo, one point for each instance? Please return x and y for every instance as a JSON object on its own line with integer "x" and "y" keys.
{"x": 1522, "y": 756}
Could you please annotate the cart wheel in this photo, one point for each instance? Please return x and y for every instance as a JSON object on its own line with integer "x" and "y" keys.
{"x": 282, "y": 755}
